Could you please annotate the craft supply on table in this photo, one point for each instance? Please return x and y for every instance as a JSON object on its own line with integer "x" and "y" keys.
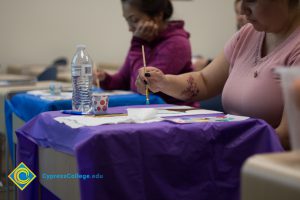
{"x": 146, "y": 87}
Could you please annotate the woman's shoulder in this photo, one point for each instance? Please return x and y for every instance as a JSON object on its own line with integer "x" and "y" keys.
{"x": 242, "y": 42}
{"x": 248, "y": 31}
{"x": 247, "y": 28}
{"x": 175, "y": 36}
{"x": 176, "y": 24}
{"x": 292, "y": 48}
{"x": 294, "y": 37}
{"x": 175, "y": 28}
{"x": 246, "y": 38}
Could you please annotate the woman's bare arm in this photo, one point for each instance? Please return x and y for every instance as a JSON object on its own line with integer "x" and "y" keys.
{"x": 190, "y": 86}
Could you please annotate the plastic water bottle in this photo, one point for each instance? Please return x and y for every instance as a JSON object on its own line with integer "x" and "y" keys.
{"x": 81, "y": 69}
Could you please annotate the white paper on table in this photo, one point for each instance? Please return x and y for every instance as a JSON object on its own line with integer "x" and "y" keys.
{"x": 168, "y": 113}
{"x": 45, "y": 94}
{"x": 202, "y": 112}
{"x": 115, "y": 92}
{"x": 80, "y": 121}
{"x": 62, "y": 96}
{"x": 174, "y": 107}
{"x": 215, "y": 119}
{"x": 38, "y": 92}
{"x": 237, "y": 117}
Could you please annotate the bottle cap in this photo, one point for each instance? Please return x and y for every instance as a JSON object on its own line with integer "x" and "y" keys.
{"x": 80, "y": 46}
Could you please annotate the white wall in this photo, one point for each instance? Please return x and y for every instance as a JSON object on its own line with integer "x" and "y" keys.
{"x": 37, "y": 31}
{"x": 210, "y": 22}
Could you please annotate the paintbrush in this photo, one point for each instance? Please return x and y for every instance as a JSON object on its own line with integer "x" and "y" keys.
{"x": 147, "y": 89}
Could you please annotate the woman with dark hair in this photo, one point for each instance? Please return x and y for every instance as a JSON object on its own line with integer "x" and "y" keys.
{"x": 244, "y": 70}
{"x": 166, "y": 44}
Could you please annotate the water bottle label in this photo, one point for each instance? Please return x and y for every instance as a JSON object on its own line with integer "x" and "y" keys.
{"x": 81, "y": 70}
{"x": 87, "y": 69}
{"x": 76, "y": 70}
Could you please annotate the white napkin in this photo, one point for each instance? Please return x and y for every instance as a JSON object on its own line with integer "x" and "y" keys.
{"x": 141, "y": 114}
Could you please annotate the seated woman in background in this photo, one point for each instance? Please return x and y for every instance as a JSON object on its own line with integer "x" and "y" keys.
{"x": 166, "y": 45}
{"x": 243, "y": 71}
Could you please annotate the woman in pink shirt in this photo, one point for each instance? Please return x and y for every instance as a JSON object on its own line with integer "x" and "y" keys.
{"x": 244, "y": 70}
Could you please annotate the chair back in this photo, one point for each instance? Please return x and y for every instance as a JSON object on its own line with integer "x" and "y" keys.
{"x": 50, "y": 73}
{"x": 214, "y": 103}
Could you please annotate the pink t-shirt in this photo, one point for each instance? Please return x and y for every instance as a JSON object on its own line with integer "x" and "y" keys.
{"x": 252, "y": 88}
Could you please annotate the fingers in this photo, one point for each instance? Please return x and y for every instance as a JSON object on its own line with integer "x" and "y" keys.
{"x": 140, "y": 85}
{"x": 146, "y": 30}
{"x": 98, "y": 75}
{"x": 152, "y": 78}
{"x": 95, "y": 77}
{"x": 146, "y": 76}
{"x": 141, "y": 77}
{"x": 149, "y": 28}
{"x": 152, "y": 74}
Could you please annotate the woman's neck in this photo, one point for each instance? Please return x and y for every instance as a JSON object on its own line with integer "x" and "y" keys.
{"x": 274, "y": 39}
{"x": 292, "y": 24}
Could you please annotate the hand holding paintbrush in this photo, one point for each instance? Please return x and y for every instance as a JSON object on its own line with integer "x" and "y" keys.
{"x": 98, "y": 76}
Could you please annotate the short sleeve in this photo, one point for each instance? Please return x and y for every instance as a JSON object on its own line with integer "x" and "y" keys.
{"x": 295, "y": 58}
{"x": 230, "y": 46}
{"x": 232, "y": 43}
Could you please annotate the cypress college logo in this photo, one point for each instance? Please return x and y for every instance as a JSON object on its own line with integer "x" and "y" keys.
{"x": 21, "y": 176}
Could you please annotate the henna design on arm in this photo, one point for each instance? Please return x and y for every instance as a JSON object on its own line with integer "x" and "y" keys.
{"x": 191, "y": 90}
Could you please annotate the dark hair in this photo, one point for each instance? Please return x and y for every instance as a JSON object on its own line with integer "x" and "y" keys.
{"x": 153, "y": 7}
{"x": 293, "y": 3}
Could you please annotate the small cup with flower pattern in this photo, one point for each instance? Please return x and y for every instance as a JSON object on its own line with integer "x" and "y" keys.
{"x": 100, "y": 104}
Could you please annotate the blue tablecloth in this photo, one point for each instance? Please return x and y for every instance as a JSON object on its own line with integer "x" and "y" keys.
{"x": 161, "y": 160}
{"x": 27, "y": 106}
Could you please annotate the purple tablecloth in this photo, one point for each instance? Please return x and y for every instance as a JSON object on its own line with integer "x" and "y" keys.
{"x": 27, "y": 106}
{"x": 162, "y": 160}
